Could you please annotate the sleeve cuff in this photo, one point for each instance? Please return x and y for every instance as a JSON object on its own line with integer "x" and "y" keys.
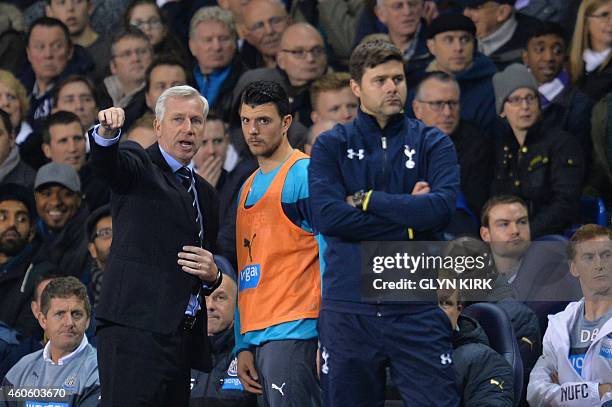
{"x": 104, "y": 142}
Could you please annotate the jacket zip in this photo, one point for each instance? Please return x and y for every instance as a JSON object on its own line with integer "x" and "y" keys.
{"x": 384, "y": 149}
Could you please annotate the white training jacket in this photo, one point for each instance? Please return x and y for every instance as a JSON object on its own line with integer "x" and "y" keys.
{"x": 574, "y": 390}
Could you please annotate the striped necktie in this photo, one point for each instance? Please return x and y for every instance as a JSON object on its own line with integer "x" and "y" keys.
{"x": 186, "y": 177}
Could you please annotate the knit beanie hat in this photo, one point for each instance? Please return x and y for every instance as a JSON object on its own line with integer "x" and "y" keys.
{"x": 514, "y": 77}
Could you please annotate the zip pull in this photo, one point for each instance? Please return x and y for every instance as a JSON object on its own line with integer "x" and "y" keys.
{"x": 384, "y": 142}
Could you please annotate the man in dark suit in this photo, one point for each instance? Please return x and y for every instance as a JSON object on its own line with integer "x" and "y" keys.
{"x": 165, "y": 221}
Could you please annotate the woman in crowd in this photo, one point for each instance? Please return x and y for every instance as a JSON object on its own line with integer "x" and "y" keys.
{"x": 149, "y": 18}
{"x": 543, "y": 165}
{"x": 14, "y": 100}
{"x": 590, "y": 54}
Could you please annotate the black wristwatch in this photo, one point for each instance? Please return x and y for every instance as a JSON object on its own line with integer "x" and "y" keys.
{"x": 358, "y": 198}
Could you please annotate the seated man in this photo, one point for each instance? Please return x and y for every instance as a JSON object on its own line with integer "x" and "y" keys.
{"x": 60, "y": 231}
{"x": 76, "y": 16}
{"x": 331, "y": 98}
{"x": 131, "y": 55}
{"x": 12, "y": 168}
{"x": 484, "y": 377}
{"x": 575, "y": 368}
{"x": 221, "y": 386}
{"x": 500, "y": 30}
{"x": 67, "y": 362}
{"x": 264, "y": 22}
{"x": 535, "y": 272}
{"x": 563, "y": 104}
{"x": 437, "y": 103}
{"x": 64, "y": 142}
{"x": 17, "y": 217}
{"x": 451, "y": 41}
{"x": 217, "y": 66}
{"x": 100, "y": 233}
{"x": 76, "y": 94}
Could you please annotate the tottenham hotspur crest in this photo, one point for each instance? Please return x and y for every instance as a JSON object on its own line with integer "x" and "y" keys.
{"x": 409, "y": 152}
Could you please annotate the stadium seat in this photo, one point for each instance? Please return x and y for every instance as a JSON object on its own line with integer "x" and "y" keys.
{"x": 502, "y": 339}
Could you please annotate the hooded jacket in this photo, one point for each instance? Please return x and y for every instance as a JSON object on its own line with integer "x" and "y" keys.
{"x": 573, "y": 389}
{"x": 484, "y": 377}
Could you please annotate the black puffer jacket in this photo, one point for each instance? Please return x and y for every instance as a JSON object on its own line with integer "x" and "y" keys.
{"x": 483, "y": 375}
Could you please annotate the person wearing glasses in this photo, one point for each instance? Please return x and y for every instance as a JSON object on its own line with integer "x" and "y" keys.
{"x": 302, "y": 59}
{"x": 437, "y": 104}
{"x": 541, "y": 164}
{"x": 590, "y": 54}
{"x": 500, "y": 30}
{"x": 131, "y": 56}
{"x": 149, "y": 18}
{"x": 99, "y": 229}
{"x": 264, "y": 23}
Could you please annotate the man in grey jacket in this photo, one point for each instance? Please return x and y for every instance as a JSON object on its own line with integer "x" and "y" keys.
{"x": 65, "y": 371}
{"x": 575, "y": 368}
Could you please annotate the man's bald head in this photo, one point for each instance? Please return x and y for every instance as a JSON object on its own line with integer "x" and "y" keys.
{"x": 264, "y": 22}
{"x": 302, "y": 55}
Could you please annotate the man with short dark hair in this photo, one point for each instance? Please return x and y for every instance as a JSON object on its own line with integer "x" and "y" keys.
{"x": 451, "y": 41}
{"x": 51, "y": 55}
{"x": 163, "y": 73}
{"x": 17, "y": 219}
{"x": 75, "y": 14}
{"x": 76, "y": 94}
{"x": 537, "y": 272}
{"x": 64, "y": 143}
{"x": 280, "y": 284}
{"x": 131, "y": 55}
{"x": 381, "y": 177}
{"x": 575, "y": 368}
{"x": 563, "y": 105}
{"x": 501, "y": 31}
{"x": 67, "y": 361}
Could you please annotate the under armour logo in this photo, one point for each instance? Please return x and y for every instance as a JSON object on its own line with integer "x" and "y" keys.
{"x": 350, "y": 153}
{"x": 324, "y": 356}
{"x": 445, "y": 359}
{"x": 409, "y": 152}
{"x": 280, "y": 389}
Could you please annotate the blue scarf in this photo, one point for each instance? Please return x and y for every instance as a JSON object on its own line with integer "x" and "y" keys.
{"x": 210, "y": 85}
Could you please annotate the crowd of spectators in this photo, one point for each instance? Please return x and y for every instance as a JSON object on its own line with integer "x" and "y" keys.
{"x": 522, "y": 88}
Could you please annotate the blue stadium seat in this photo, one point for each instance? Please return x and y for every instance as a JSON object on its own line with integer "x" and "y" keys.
{"x": 502, "y": 339}
{"x": 592, "y": 210}
{"x": 551, "y": 238}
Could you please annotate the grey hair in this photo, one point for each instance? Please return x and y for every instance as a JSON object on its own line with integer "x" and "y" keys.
{"x": 213, "y": 14}
{"x": 379, "y": 3}
{"x": 181, "y": 92}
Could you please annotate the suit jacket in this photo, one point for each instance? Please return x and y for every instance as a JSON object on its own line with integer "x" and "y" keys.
{"x": 153, "y": 218}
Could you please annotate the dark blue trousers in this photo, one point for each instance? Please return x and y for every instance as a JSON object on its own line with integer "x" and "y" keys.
{"x": 355, "y": 349}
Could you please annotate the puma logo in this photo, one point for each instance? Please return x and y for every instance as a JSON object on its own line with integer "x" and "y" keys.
{"x": 280, "y": 389}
